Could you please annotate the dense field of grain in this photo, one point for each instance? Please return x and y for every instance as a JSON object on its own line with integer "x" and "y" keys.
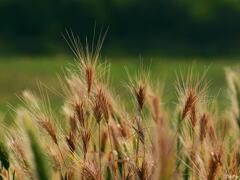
{"x": 131, "y": 119}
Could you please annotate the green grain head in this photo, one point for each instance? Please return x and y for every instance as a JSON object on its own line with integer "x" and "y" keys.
{"x": 39, "y": 160}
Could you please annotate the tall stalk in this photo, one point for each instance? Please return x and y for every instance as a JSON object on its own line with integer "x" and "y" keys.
{"x": 99, "y": 147}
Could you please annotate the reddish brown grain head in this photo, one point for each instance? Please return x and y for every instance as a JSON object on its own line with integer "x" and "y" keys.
{"x": 193, "y": 116}
{"x": 140, "y": 93}
{"x": 190, "y": 101}
{"x": 203, "y": 127}
{"x": 97, "y": 111}
{"x": 85, "y": 136}
{"x": 89, "y": 70}
{"x": 80, "y": 114}
{"x": 73, "y": 124}
{"x": 104, "y": 139}
{"x": 102, "y": 106}
{"x": 214, "y": 165}
{"x": 105, "y": 103}
{"x": 48, "y": 126}
{"x": 71, "y": 141}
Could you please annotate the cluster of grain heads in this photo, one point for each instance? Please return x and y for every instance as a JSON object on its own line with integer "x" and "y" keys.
{"x": 197, "y": 142}
{"x": 94, "y": 136}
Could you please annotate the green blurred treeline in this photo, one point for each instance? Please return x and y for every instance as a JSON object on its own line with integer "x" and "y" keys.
{"x": 199, "y": 27}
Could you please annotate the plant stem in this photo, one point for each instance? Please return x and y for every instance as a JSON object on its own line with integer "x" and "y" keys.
{"x": 137, "y": 151}
{"x": 111, "y": 146}
{"x": 62, "y": 159}
{"x": 99, "y": 153}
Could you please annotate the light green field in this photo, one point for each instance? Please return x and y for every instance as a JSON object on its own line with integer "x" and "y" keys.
{"x": 18, "y": 74}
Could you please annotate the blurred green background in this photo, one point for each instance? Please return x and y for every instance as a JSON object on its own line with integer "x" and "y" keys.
{"x": 168, "y": 34}
{"x": 170, "y": 27}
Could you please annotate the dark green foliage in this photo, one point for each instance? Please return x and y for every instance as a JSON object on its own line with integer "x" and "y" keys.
{"x": 4, "y": 156}
{"x": 212, "y": 23}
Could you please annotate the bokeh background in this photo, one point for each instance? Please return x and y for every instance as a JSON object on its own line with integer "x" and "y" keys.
{"x": 173, "y": 27}
{"x": 167, "y": 34}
